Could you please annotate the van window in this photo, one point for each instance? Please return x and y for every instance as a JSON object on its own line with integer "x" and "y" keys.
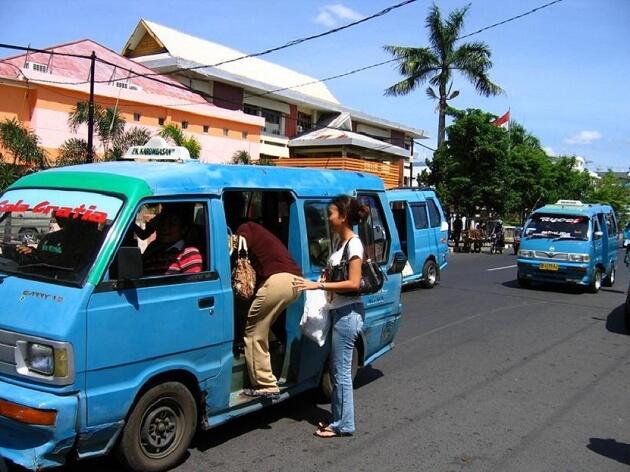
{"x": 374, "y": 232}
{"x": 611, "y": 225}
{"x": 53, "y": 235}
{"x": 172, "y": 236}
{"x": 434, "y": 214}
{"x": 419, "y": 211}
{"x": 318, "y": 232}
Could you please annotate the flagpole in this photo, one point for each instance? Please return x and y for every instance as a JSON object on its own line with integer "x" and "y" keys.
{"x": 509, "y": 137}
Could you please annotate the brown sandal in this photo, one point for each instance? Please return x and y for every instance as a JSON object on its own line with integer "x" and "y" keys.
{"x": 330, "y": 433}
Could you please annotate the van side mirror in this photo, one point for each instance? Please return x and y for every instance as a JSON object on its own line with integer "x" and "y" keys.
{"x": 400, "y": 260}
{"x": 598, "y": 235}
{"x": 129, "y": 262}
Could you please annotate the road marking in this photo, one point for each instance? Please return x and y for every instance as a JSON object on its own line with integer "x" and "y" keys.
{"x": 501, "y": 268}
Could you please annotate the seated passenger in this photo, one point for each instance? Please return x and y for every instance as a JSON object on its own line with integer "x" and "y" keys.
{"x": 169, "y": 254}
{"x": 50, "y": 249}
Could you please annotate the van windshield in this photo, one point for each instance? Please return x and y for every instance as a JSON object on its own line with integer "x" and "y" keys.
{"x": 53, "y": 234}
{"x": 557, "y": 226}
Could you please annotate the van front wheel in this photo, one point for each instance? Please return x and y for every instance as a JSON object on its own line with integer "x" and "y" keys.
{"x": 609, "y": 281}
{"x": 596, "y": 283}
{"x": 159, "y": 429}
{"x": 430, "y": 274}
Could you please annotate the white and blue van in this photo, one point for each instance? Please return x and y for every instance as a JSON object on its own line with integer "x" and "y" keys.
{"x": 423, "y": 233}
{"x": 569, "y": 242}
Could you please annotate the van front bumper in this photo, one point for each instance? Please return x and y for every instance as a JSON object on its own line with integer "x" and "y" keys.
{"x": 37, "y": 429}
{"x": 567, "y": 273}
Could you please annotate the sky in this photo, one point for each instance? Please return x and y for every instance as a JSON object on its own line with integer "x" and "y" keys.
{"x": 565, "y": 69}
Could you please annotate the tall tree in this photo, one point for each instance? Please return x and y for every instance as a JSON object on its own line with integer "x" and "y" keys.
{"x": 174, "y": 133}
{"x": 611, "y": 190}
{"x": 437, "y": 63}
{"x": 109, "y": 124}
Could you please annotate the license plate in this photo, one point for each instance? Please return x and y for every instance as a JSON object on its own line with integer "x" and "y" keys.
{"x": 547, "y": 266}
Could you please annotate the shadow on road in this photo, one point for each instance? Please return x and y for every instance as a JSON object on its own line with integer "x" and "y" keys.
{"x": 610, "y": 448}
{"x": 615, "y": 322}
{"x": 555, "y": 288}
{"x": 366, "y": 375}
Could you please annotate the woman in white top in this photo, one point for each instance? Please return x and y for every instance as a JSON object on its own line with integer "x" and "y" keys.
{"x": 346, "y": 311}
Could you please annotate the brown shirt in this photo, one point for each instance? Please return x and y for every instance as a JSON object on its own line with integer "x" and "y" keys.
{"x": 266, "y": 252}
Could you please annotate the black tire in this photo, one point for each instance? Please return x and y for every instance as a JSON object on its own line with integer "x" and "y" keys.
{"x": 166, "y": 413}
{"x": 430, "y": 274}
{"x": 596, "y": 283}
{"x": 326, "y": 386}
{"x": 609, "y": 280}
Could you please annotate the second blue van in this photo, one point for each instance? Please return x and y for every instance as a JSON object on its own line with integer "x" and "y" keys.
{"x": 569, "y": 242}
{"x": 423, "y": 233}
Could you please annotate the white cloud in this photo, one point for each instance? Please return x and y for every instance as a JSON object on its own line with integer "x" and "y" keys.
{"x": 584, "y": 137}
{"x": 336, "y": 14}
{"x": 550, "y": 151}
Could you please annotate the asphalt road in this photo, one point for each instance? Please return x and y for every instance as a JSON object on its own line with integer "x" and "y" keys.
{"x": 485, "y": 376}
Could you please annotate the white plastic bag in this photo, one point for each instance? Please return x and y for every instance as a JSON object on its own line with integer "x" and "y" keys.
{"x": 315, "y": 321}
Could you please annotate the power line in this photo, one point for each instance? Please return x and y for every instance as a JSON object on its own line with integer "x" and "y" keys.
{"x": 511, "y": 19}
{"x": 295, "y": 42}
{"x": 45, "y": 51}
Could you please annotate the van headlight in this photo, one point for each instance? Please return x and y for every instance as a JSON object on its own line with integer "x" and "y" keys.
{"x": 526, "y": 254}
{"x": 41, "y": 359}
{"x": 579, "y": 257}
{"x": 48, "y": 361}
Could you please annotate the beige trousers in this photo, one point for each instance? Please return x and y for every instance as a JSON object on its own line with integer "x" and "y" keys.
{"x": 270, "y": 299}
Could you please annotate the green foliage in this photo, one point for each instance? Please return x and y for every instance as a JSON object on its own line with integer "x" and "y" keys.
{"x": 135, "y": 136}
{"x": 470, "y": 170}
{"x": 73, "y": 151}
{"x": 612, "y": 191}
{"x": 173, "y": 133}
{"x": 241, "y": 157}
{"x": 435, "y": 64}
{"x": 265, "y": 161}
{"x": 22, "y": 144}
{"x": 9, "y": 173}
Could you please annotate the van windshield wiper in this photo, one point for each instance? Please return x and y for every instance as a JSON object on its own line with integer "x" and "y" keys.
{"x": 541, "y": 235}
{"x": 47, "y": 266}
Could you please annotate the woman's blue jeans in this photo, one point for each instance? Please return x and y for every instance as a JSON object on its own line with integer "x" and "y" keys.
{"x": 347, "y": 322}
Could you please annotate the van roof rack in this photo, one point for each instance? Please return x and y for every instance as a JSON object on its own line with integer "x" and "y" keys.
{"x": 413, "y": 188}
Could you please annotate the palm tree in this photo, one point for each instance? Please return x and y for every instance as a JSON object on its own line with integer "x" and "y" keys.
{"x": 173, "y": 133}
{"x": 108, "y": 123}
{"x": 22, "y": 144}
{"x": 437, "y": 62}
{"x": 135, "y": 136}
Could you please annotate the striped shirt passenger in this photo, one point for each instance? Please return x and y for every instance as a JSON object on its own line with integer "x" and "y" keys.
{"x": 171, "y": 259}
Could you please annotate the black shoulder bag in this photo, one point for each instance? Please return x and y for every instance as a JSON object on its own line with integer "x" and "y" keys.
{"x": 372, "y": 277}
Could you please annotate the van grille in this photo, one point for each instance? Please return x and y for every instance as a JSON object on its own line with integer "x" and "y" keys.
{"x": 557, "y": 256}
{"x": 7, "y": 352}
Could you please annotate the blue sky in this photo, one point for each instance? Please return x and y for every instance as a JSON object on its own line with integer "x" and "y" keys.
{"x": 565, "y": 69}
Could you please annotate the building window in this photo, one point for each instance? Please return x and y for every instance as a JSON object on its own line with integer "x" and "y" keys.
{"x": 244, "y": 134}
{"x": 251, "y": 110}
{"x": 136, "y": 117}
{"x": 304, "y": 122}
{"x": 272, "y": 120}
{"x": 225, "y": 131}
{"x": 161, "y": 121}
{"x": 184, "y": 125}
{"x": 206, "y": 128}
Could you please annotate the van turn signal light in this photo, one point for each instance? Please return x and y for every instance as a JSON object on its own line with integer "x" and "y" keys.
{"x": 27, "y": 415}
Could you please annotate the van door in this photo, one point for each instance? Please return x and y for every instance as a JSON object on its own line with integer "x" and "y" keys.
{"x": 598, "y": 246}
{"x": 435, "y": 221}
{"x": 423, "y": 239}
{"x": 381, "y": 308}
{"x": 610, "y": 242}
{"x": 139, "y": 328}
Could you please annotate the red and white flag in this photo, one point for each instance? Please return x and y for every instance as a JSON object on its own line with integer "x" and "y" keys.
{"x": 502, "y": 121}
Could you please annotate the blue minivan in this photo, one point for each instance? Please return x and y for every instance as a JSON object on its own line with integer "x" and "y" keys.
{"x": 569, "y": 242}
{"x": 96, "y": 357}
{"x": 423, "y": 233}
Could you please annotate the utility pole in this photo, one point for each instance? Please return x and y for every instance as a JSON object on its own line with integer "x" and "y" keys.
{"x": 90, "y": 140}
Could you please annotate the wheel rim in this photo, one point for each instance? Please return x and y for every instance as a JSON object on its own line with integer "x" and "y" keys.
{"x": 160, "y": 433}
{"x": 598, "y": 280}
{"x": 612, "y": 276}
{"x": 431, "y": 274}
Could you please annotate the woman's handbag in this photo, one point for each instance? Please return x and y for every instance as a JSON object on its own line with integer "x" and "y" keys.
{"x": 243, "y": 274}
{"x": 315, "y": 322}
{"x": 372, "y": 277}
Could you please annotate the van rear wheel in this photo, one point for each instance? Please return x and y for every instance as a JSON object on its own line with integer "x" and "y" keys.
{"x": 159, "y": 429}
{"x": 609, "y": 281}
{"x": 596, "y": 283}
{"x": 430, "y": 274}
